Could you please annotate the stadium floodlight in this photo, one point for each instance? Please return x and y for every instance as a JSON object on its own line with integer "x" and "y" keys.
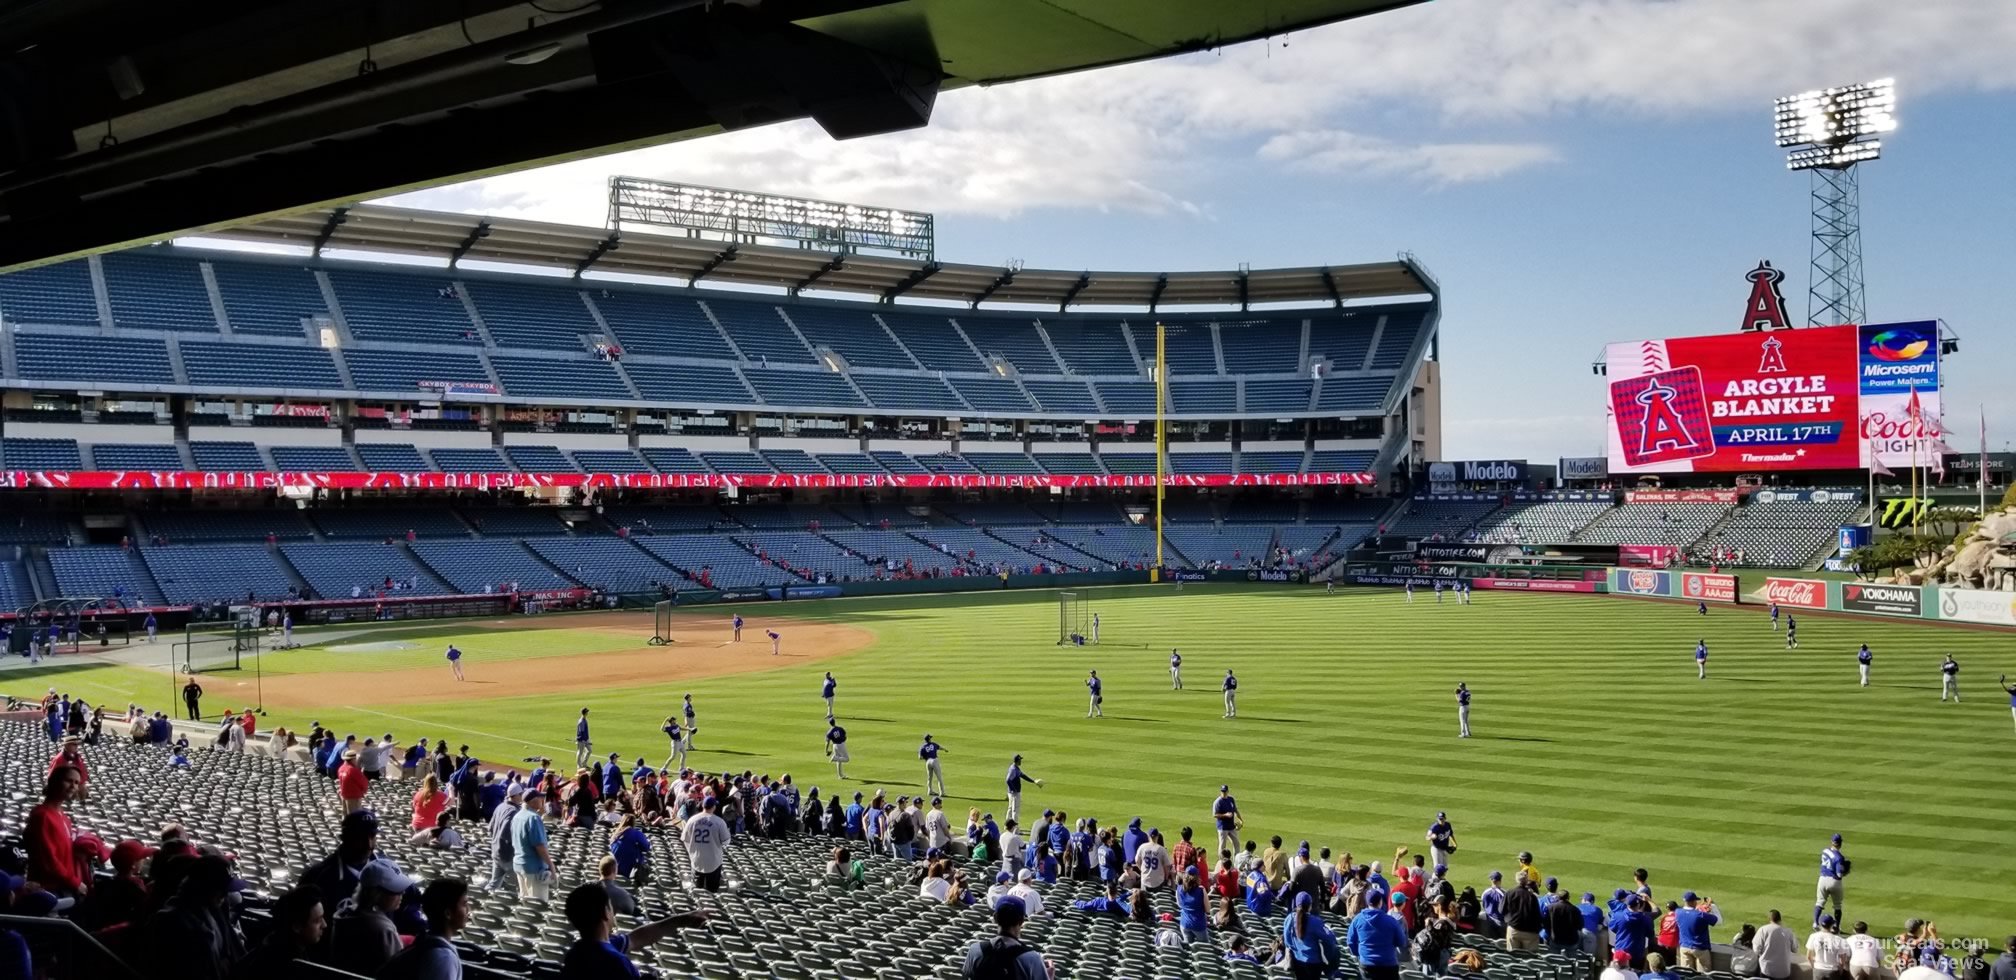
{"x": 1833, "y": 115}
{"x": 1812, "y": 157}
{"x": 1828, "y": 132}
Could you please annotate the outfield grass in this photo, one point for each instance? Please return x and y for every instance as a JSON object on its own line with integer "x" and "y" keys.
{"x": 1595, "y": 746}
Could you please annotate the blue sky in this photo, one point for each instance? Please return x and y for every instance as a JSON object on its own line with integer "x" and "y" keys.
{"x": 1572, "y": 171}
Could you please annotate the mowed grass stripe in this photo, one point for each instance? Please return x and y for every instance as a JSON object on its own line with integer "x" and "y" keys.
{"x": 1596, "y": 747}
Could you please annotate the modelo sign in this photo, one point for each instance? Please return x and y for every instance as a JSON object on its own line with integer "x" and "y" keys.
{"x": 1478, "y": 471}
{"x": 1707, "y": 587}
{"x": 1887, "y": 600}
{"x": 1802, "y": 593}
{"x": 1583, "y": 468}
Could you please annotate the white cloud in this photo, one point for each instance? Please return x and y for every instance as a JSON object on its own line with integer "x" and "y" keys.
{"x": 1397, "y": 95}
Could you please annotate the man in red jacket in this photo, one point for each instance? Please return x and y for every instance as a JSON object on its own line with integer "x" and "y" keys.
{"x": 351, "y": 783}
{"x": 72, "y": 754}
{"x": 52, "y": 862}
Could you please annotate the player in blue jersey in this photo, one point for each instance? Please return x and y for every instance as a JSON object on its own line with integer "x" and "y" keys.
{"x": 1438, "y": 591}
{"x": 583, "y": 748}
{"x": 1949, "y": 683}
{"x": 1015, "y": 778}
{"x": 1225, "y": 812}
{"x": 1862, "y": 660}
{"x": 2004, "y": 679}
{"x": 934, "y": 778}
{"x": 1175, "y": 671}
{"x": 1701, "y": 659}
{"x": 692, "y": 725}
{"x": 836, "y": 749}
{"x": 455, "y": 660}
{"x": 826, "y": 692}
{"x": 1465, "y": 586}
{"x": 1231, "y": 688}
{"x": 675, "y": 760}
{"x": 153, "y": 628}
{"x": 1701, "y": 606}
{"x": 1791, "y": 633}
{"x": 1410, "y": 591}
{"x": 1092, "y": 686}
{"x": 1462, "y": 710}
{"x": 776, "y": 642}
{"x": 735, "y": 625}
{"x": 1833, "y": 870}
{"x": 1774, "y": 617}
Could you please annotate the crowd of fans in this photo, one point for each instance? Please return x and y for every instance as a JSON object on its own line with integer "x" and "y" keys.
{"x": 174, "y": 905}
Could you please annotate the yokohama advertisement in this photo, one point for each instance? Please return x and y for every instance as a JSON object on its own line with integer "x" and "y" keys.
{"x": 138, "y": 480}
{"x": 1978, "y": 606}
{"x": 1888, "y": 600}
{"x": 1803, "y": 593}
{"x": 1707, "y": 587}
{"x": 1786, "y": 399}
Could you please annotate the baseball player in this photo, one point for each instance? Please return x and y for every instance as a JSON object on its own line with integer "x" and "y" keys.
{"x": 2012, "y": 694}
{"x": 1231, "y": 687}
{"x": 736, "y": 626}
{"x": 1092, "y": 685}
{"x": 677, "y": 736}
{"x": 1175, "y": 671}
{"x": 153, "y": 628}
{"x": 583, "y": 748}
{"x": 934, "y": 778}
{"x": 1791, "y": 632}
{"x": 1949, "y": 683}
{"x": 1015, "y": 778}
{"x": 1438, "y": 591}
{"x": 1701, "y": 606}
{"x": 826, "y": 692}
{"x": 1410, "y": 591}
{"x": 455, "y": 660}
{"x": 1465, "y": 593}
{"x": 1095, "y": 628}
{"x": 1833, "y": 868}
{"x": 775, "y": 641}
{"x": 836, "y": 749}
{"x": 1225, "y": 813}
{"x": 1774, "y": 617}
{"x": 1462, "y": 710}
{"x": 692, "y": 726}
{"x": 1862, "y": 659}
{"x": 1701, "y": 659}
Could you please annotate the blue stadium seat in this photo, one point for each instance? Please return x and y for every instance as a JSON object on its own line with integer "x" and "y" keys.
{"x": 1092, "y": 347}
{"x": 1069, "y": 464}
{"x": 404, "y": 370}
{"x": 55, "y": 294}
{"x": 529, "y": 377}
{"x": 909, "y": 392}
{"x": 898, "y": 462}
{"x": 333, "y": 569}
{"x": 760, "y": 331}
{"x": 490, "y": 564}
{"x": 540, "y": 459}
{"x": 883, "y": 547}
{"x": 993, "y": 395}
{"x": 1113, "y": 544}
{"x": 1402, "y": 327}
{"x": 25, "y": 526}
{"x": 1203, "y": 397}
{"x": 228, "y": 365}
{"x": 1233, "y": 545}
{"x": 728, "y": 564}
{"x": 1344, "y": 336}
{"x": 1270, "y": 346}
{"x": 1200, "y": 462}
{"x": 531, "y": 314}
{"x": 101, "y": 571}
{"x": 1187, "y": 348}
{"x": 1341, "y": 460}
{"x": 1270, "y": 462}
{"x": 853, "y": 334}
{"x": 1355, "y": 510}
{"x": 1074, "y": 397}
{"x": 193, "y": 573}
{"x": 933, "y": 341}
{"x": 388, "y": 522}
{"x": 265, "y": 299}
{"x": 1278, "y": 396}
{"x": 136, "y": 456}
{"x": 1356, "y": 394}
{"x": 872, "y": 515}
{"x": 851, "y": 464}
{"x": 947, "y": 463}
{"x": 227, "y": 457}
{"x": 731, "y": 463}
{"x": 659, "y": 323}
{"x": 1129, "y": 463}
{"x": 415, "y": 308}
{"x": 331, "y": 459}
{"x": 515, "y": 522}
{"x": 98, "y": 360}
{"x": 1003, "y": 464}
{"x": 982, "y": 513}
{"x": 792, "y": 461}
{"x": 468, "y": 461}
{"x": 40, "y": 454}
{"x": 614, "y": 564}
{"x": 654, "y": 520}
{"x": 979, "y": 549}
{"x": 675, "y": 460}
{"x": 157, "y": 292}
{"x": 1013, "y": 338}
{"x": 1127, "y": 399}
{"x": 806, "y": 554}
{"x": 689, "y": 384}
{"x": 386, "y": 457}
{"x": 808, "y": 389}
{"x": 609, "y": 461}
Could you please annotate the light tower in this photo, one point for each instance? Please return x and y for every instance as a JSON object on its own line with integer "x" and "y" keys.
{"x": 1829, "y": 131}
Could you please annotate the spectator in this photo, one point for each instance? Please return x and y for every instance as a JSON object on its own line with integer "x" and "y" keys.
{"x": 1437, "y": 938}
{"x": 122, "y": 899}
{"x": 428, "y": 803}
{"x": 1696, "y": 915}
{"x": 1274, "y": 864}
{"x": 362, "y": 938}
{"x": 846, "y": 870}
{"x": 1312, "y": 949}
{"x": 619, "y": 897}
{"x": 350, "y": 782}
{"x": 1376, "y": 938}
{"x": 1743, "y": 952}
{"x": 1655, "y": 968}
{"x": 432, "y": 956}
{"x": 1865, "y": 956}
{"x": 1631, "y": 930}
{"x": 500, "y": 840}
{"x": 602, "y": 953}
{"x": 298, "y": 925}
{"x": 192, "y": 937}
{"x": 1619, "y": 968}
{"x": 706, "y": 840}
{"x": 52, "y": 859}
{"x": 1776, "y": 946}
{"x": 999, "y": 890}
{"x": 1191, "y": 915}
{"x": 1522, "y": 916}
{"x": 1827, "y": 952}
{"x": 357, "y": 846}
{"x": 2003, "y": 969}
{"x": 529, "y": 857}
{"x": 1026, "y": 893}
{"x": 1005, "y": 955}
{"x": 632, "y": 852}
{"x": 441, "y": 836}
{"x": 1564, "y": 925}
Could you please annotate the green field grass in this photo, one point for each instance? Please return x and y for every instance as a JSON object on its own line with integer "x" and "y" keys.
{"x": 1595, "y": 747}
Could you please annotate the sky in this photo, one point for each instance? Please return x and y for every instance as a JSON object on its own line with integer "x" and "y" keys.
{"x": 1573, "y": 172}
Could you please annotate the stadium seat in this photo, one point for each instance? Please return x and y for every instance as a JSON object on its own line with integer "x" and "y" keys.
{"x": 1188, "y": 348}
{"x": 532, "y": 314}
{"x": 386, "y": 457}
{"x": 898, "y": 463}
{"x": 1344, "y": 336}
{"x": 1012, "y": 338}
{"x": 854, "y": 334}
{"x": 100, "y": 571}
{"x": 990, "y": 551}
{"x": 988, "y": 395}
{"x": 728, "y": 564}
{"x": 1677, "y": 524}
{"x": 27, "y": 526}
{"x": 608, "y": 461}
{"x": 1004, "y": 464}
{"x": 468, "y": 461}
{"x": 219, "y": 524}
{"x": 947, "y": 463}
{"x": 1235, "y": 545}
{"x": 387, "y": 522}
{"x": 1397, "y": 339}
{"x": 133, "y": 360}
{"x": 540, "y": 459}
{"x": 574, "y": 377}
{"x": 136, "y": 456}
{"x": 191, "y": 573}
{"x": 760, "y": 331}
{"x": 890, "y": 552}
{"x": 334, "y": 569}
{"x": 488, "y": 565}
{"x": 268, "y": 299}
{"x": 1069, "y": 464}
{"x": 1127, "y": 399}
{"x": 614, "y": 564}
{"x": 851, "y": 464}
{"x": 1092, "y": 347}
{"x": 665, "y": 519}
{"x": 514, "y": 522}
{"x": 228, "y": 365}
{"x": 313, "y": 459}
{"x": 54, "y": 294}
{"x": 1279, "y": 396}
{"x": 806, "y": 554}
{"x": 16, "y": 592}
{"x": 689, "y": 384}
{"x": 1341, "y": 460}
{"x": 1135, "y": 464}
{"x": 1362, "y": 393}
{"x": 1270, "y": 462}
{"x": 1270, "y": 346}
{"x": 406, "y": 370}
{"x": 1357, "y": 510}
{"x": 737, "y": 463}
{"x": 675, "y": 460}
{"x": 807, "y": 389}
{"x": 1203, "y": 397}
{"x": 1539, "y": 522}
{"x": 933, "y": 341}
{"x": 660, "y": 323}
{"x": 227, "y": 457}
{"x": 791, "y": 461}
{"x": 153, "y": 291}
{"x": 1200, "y": 462}
{"x": 40, "y": 454}
{"x": 1426, "y": 516}
{"x": 1063, "y": 397}
{"x": 417, "y": 308}
{"x": 1785, "y": 533}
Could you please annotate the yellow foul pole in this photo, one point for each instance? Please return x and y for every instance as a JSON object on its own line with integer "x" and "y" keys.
{"x": 1161, "y": 433}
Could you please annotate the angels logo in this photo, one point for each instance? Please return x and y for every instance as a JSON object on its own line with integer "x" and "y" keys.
{"x": 1773, "y": 359}
{"x": 1766, "y": 309}
{"x": 1662, "y": 417}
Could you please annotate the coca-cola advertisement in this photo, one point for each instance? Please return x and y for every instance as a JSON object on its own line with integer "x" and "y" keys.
{"x": 1800, "y": 593}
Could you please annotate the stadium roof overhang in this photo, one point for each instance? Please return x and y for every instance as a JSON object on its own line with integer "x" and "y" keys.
{"x": 130, "y": 121}
{"x": 458, "y": 237}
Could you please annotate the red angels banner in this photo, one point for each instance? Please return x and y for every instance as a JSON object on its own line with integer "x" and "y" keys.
{"x": 156, "y": 480}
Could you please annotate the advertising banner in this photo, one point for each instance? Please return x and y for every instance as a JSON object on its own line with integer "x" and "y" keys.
{"x": 1633, "y": 581}
{"x": 1453, "y": 552}
{"x": 1533, "y": 585}
{"x": 1804, "y": 496}
{"x": 1888, "y": 600}
{"x": 1786, "y": 399}
{"x": 1647, "y": 555}
{"x": 1896, "y": 361}
{"x": 1707, "y": 587}
{"x": 1682, "y": 496}
{"x": 1583, "y": 468}
{"x": 1802, "y": 593}
{"x": 160, "y": 480}
{"x": 1478, "y": 471}
{"x": 1978, "y": 606}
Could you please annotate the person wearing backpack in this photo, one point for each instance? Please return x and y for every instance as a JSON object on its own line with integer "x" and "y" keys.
{"x": 1436, "y": 938}
{"x": 1005, "y": 957}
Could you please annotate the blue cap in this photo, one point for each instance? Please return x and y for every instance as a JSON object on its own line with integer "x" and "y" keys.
{"x": 1303, "y": 900}
{"x": 1687, "y": 896}
{"x": 1002, "y": 878}
{"x": 1375, "y": 897}
{"x": 1588, "y": 896}
{"x": 1619, "y": 893}
{"x": 1497, "y": 876}
{"x": 1837, "y": 838}
{"x": 1225, "y": 788}
{"x": 1440, "y": 868}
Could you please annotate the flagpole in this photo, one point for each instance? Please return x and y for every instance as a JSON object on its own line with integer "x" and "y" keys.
{"x": 1981, "y": 466}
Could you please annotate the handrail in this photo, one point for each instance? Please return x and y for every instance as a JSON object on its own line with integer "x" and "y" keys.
{"x": 74, "y": 938}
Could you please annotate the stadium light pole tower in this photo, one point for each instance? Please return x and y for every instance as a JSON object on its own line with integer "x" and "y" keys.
{"x": 1829, "y": 131}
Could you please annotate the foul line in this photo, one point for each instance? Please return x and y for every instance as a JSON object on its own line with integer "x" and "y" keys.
{"x": 452, "y": 728}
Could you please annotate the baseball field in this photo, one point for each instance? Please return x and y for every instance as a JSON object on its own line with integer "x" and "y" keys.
{"x": 1595, "y": 746}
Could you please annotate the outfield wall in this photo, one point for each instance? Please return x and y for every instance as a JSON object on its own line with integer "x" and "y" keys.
{"x": 1794, "y": 593}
